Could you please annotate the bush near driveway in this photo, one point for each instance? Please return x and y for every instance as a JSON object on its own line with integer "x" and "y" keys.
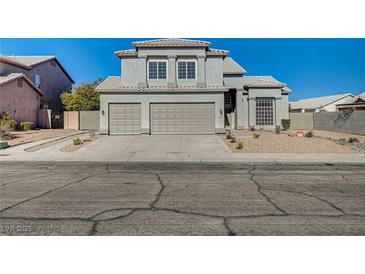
{"x": 26, "y": 125}
{"x": 285, "y": 123}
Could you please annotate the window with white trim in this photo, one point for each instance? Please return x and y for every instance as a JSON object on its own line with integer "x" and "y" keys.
{"x": 186, "y": 69}
{"x": 157, "y": 70}
{"x": 264, "y": 111}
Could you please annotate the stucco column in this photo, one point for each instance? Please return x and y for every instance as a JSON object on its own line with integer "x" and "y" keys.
{"x": 145, "y": 115}
{"x": 277, "y": 110}
{"x": 252, "y": 111}
{"x": 242, "y": 109}
{"x": 143, "y": 72}
{"x": 104, "y": 114}
{"x": 202, "y": 83}
{"x": 171, "y": 71}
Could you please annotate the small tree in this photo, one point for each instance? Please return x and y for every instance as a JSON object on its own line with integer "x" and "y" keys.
{"x": 83, "y": 97}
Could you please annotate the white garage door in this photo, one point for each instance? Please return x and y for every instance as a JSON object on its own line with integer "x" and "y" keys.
{"x": 124, "y": 119}
{"x": 182, "y": 118}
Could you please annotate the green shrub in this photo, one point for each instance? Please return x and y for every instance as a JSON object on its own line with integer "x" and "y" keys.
{"x": 285, "y": 123}
{"x": 256, "y": 136}
{"x": 228, "y": 137}
{"x": 309, "y": 134}
{"x": 6, "y": 123}
{"x": 353, "y": 140}
{"x": 342, "y": 141}
{"x": 26, "y": 125}
{"x": 77, "y": 141}
{"x": 239, "y": 145}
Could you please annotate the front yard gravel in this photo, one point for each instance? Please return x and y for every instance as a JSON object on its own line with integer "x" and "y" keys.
{"x": 270, "y": 142}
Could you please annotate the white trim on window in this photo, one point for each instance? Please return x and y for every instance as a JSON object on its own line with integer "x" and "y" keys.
{"x": 157, "y": 61}
{"x": 186, "y": 69}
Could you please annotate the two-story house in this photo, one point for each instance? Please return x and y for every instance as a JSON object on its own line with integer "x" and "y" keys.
{"x": 46, "y": 72}
{"x": 178, "y": 86}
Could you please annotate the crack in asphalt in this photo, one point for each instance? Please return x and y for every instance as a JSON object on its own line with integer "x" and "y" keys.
{"x": 259, "y": 189}
{"x": 47, "y": 192}
{"x": 158, "y": 195}
{"x": 308, "y": 195}
{"x": 153, "y": 207}
{"x": 27, "y": 179}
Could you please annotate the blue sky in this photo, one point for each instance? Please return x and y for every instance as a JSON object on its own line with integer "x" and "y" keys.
{"x": 311, "y": 67}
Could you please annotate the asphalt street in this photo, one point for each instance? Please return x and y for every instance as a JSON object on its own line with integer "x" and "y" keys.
{"x": 79, "y": 198}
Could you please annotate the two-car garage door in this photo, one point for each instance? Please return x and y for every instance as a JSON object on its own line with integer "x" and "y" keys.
{"x": 183, "y": 118}
{"x": 165, "y": 118}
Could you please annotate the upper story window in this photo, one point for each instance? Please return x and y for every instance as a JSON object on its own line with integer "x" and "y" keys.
{"x": 157, "y": 69}
{"x": 186, "y": 69}
{"x": 37, "y": 80}
{"x": 19, "y": 83}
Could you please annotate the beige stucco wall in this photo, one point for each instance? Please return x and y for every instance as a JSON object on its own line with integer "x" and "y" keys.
{"x": 21, "y": 102}
{"x": 53, "y": 81}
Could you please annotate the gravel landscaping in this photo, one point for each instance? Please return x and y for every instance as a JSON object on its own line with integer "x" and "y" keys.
{"x": 23, "y": 137}
{"x": 270, "y": 142}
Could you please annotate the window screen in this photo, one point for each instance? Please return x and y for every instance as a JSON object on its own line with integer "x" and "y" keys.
{"x": 264, "y": 111}
{"x": 157, "y": 70}
{"x": 186, "y": 70}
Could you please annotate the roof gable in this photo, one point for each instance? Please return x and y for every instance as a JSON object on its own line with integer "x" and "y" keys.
{"x": 14, "y": 76}
{"x": 232, "y": 67}
{"x": 28, "y": 62}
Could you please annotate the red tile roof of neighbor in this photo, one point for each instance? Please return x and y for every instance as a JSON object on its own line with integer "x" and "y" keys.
{"x": 27, "y": 62}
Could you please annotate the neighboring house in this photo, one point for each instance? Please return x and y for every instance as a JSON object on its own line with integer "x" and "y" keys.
{"x": 354, "y": 104}
{"x": 325, "y": 103}
{"x": 45, "y": 72}
{"x": 20, "y": 97}
{"x": 178, "y": 86}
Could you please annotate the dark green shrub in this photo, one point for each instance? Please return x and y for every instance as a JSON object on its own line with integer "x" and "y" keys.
{"x": 77, "y": 141}
{"x": 285, "y": 123}
{"x": 353, "y": 140}
{"x": 228, "y": 137}
{"x": 309, "y": 134}
{"x": 26, "y": 125}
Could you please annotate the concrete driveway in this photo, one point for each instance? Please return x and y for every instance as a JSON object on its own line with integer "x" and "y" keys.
{"x": 136, "y": 148}
{"x": 69, "y": 198}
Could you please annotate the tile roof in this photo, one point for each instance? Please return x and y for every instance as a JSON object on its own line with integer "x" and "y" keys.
{"x": 217, "y": 52}
{"x": 127, "y": 52}
{"x": 231, "y": 67}
{"x": 114, "y": 84}
{"x": 172, "y": 43}
{"x": 318, "y": 102}
{"x": 262, "y": 82}
{"x": 13, "y": 76}
{"x": 28, "y": 62}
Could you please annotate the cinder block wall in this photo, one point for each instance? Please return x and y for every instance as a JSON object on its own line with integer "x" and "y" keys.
{"x": 301, "y": 120}
{"x": 346, "y": 122}
{"x": 89, "y": 120}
